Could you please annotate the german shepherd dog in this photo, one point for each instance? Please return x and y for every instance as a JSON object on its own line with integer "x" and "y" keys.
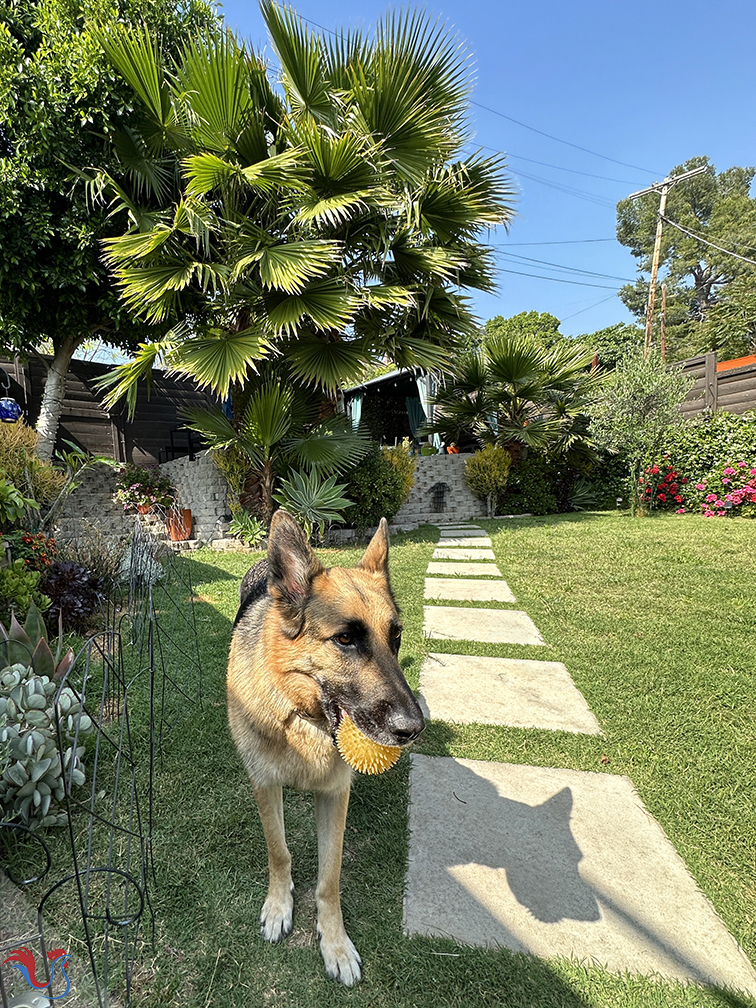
{"x": 310, "y": 644}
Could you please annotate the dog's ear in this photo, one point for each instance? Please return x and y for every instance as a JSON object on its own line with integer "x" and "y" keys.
{"x": 375, "y": 559}
{"x": 291, "y": 565}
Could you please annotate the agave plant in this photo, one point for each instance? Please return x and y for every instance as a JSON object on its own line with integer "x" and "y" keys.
{"x": 331, "y": 226}
{"x": 312, "y": 500}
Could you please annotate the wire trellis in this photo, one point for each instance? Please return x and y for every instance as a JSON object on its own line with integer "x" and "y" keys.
{"x": 132, "y": 679}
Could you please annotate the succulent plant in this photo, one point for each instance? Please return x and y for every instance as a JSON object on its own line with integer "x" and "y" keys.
{"x": 19, "y": 587}
{"x": 32, "y": 768}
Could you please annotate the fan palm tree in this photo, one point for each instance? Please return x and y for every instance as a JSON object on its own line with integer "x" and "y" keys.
{"x": 513, "y": 392}
{"x": 332, "y": 226}
{"x": 279, "y": 430}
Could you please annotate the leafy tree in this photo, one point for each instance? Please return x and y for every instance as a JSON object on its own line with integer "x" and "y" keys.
{"x": 710, "y": 295}
{"x": 62, "y": 108}
{"x": 334, "y": 226}
{"x": 542, "y": 326}
{"x": 613, "y": 343}
{"x": 515, "y": 392}
{"x": 637, "y": 410}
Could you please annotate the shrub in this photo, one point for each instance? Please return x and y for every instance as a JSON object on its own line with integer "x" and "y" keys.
{"x": 36, "y": 549}
{"x": 487, "y": 473}
{"x": 74, "y": 592}
{"x": 662, "y": 487}
{"x": 98, "y": 552}
{"x": 138, "y": 486}
{"x": 13, "y": 504}
{"x": 19, "y": 587}
{"x": 733, "y": 485}
{"x": 710, "y": 441}
{"x": 21, "y": 465}
{"x": 377, "y": 487}
{"x": 530, "y": 488}
{"x": 610, "y": 480}
{"x": 402, "y": 460}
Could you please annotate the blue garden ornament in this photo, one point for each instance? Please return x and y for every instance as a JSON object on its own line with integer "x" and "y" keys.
{"x": 10, "y": 411}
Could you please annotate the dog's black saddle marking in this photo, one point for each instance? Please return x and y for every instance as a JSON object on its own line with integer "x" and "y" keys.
{"x": 253, "y": 587}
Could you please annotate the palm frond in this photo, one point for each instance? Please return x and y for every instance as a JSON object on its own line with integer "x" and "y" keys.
{"x": 289, "y": 267}
{"x": 268, "y": 417}
{"x": 301, "y": 54}
{"x": 136, "y": 56}
{"x": 326, "y": 302}
{"x": 326, "y": 363}
{"x": 332, "y": 446}
{"x": 149, "y": 176}
{"x": 123, "y": 381}
{"x": 218, "y": 357}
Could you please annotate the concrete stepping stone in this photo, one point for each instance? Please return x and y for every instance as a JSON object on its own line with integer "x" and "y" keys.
{"x": 460, "y": 590}
{"x": 494, "y": 626}
{"x": 474, "y": 533}
{"x": 480, "y": 541}
{"x": 558, "y": 863}
{"x": 464, "y": 568}
{"x": 463, "y": 554}
{"x": 504, "y": 691}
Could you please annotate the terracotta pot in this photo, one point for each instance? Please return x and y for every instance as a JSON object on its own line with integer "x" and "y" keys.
{"x": 144, "y": 508}
{"x": 179, "y": 524}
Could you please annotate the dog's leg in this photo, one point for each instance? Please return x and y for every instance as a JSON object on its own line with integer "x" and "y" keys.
{"x": 342, "y": 961}
{"x": 276, "y": 915}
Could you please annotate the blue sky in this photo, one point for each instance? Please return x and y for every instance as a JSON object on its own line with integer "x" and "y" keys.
{"x": 650, "y": 84}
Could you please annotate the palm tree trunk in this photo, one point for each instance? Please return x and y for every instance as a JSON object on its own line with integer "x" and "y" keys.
{"x": 53, "y": 396}
{"x": 267, "y": 478}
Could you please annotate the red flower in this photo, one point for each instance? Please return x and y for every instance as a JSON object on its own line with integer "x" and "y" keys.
{"x": 678, "y": 498}
{"x": 662, "y": 497}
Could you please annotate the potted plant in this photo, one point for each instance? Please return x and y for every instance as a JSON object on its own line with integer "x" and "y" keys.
{"x": 179, "y": 522}
{"x": 142, "y": 489}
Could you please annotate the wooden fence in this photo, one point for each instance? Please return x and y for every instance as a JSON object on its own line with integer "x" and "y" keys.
{"x": 729, "y": 385}
{"x": 152, "y": 436}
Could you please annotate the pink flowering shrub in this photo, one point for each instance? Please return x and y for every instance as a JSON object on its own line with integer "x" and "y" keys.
{"x": 733, "y": 484}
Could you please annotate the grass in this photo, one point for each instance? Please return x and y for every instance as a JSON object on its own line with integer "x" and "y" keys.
{"x": 655, "y": 622}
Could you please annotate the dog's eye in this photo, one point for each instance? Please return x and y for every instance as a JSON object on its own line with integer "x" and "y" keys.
{"x": 345, "y": 639}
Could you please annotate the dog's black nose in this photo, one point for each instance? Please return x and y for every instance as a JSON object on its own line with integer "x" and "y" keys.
{"x": 405, "y": 726}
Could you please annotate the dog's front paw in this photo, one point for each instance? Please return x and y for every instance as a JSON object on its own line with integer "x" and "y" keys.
{"x": 342, "y": 960}
{"x": 276, "y": 918}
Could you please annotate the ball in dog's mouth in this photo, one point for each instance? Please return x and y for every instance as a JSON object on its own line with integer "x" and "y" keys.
{"x": 360, "y": 752}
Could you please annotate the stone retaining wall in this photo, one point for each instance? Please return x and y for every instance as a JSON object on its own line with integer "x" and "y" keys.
{"x": 92, "y": 501}
{"x": 202, "y": 487}
{"x": 460, "y": 503}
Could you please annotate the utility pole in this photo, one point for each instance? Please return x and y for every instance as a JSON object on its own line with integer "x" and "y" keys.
{"x": 664, "y": 324}
{"x": 663, "y": 189}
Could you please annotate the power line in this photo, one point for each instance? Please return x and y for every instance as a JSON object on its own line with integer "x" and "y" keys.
{"x": 545, "y": 164}
{"x": 596, "y": 305}
{"x": 567, "y": 142}
{"x": 569, "y": 269}
{"x": 569, "y": 190}
{"x": 574, "y": 241}
{"x": 719, "y": 248}
{"x": 575, "y": 283}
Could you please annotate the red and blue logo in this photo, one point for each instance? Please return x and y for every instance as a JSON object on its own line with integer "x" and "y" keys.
{"x": 23, "y": 960}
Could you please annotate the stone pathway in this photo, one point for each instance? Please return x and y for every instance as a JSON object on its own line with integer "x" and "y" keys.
{"x": 549, "y": 861}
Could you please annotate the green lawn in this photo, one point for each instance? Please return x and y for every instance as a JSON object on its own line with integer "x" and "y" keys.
{"x": 655, "y": 621}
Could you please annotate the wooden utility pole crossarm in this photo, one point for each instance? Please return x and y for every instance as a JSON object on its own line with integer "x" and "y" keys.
{"x": 663, "y": 189}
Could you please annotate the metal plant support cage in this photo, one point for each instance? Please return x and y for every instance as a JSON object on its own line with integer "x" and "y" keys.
{"x": 134, "y": 678}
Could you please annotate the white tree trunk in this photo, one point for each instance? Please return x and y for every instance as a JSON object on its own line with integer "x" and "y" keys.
{"x": 53, "y": 396}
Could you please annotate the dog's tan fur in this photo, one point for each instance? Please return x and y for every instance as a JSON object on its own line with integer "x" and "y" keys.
{"x": 290, "y": 679}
